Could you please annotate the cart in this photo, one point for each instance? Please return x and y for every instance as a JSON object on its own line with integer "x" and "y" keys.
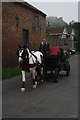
{"x": 55, "y": 62}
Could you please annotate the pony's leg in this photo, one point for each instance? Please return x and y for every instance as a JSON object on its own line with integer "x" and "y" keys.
{"x": 33, "y": 73}
{"x": 35, "y": 77}
{"x": 23, "y": 81}
{"x": 41, "y": 71}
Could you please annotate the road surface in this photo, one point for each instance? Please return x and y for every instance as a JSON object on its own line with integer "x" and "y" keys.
{"x": 48, "y": 100}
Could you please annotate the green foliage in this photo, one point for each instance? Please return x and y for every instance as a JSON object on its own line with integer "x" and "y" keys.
{"x": 55, "y": 22}
{"x": 69, "y": 39}
{"x": 76, "y": 26}
{"x": 0, "y": 74}
{"x": 10, "y": 72}
{"x": 77, "y": 37}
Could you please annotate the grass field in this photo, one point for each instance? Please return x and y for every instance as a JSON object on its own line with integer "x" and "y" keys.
{"x": 10, "y": 72}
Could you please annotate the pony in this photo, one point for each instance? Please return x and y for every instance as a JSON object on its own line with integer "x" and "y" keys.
{"x": 30, "y": 61}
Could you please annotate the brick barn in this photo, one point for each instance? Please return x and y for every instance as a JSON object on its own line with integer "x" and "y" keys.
{"x": 21, "y": 24}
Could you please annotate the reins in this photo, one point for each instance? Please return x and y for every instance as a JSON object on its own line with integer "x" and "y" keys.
{"x": 34, "y": 56}
{"x": 34, "y": 64}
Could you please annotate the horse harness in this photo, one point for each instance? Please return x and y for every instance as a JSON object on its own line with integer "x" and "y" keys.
{"x": 37, "y": 62}
{"x": 24, "y": 66}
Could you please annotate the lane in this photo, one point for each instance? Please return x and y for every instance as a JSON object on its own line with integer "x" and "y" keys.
{"x": 49, "y": 100}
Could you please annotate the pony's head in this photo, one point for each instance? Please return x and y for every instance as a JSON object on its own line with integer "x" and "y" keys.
{"x": 23, "y": 56}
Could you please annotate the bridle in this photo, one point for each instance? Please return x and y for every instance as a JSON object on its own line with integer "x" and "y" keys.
{"x": 24, "y": 54}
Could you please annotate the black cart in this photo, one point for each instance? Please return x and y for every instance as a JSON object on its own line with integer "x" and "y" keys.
{"x": 56, "y": 62}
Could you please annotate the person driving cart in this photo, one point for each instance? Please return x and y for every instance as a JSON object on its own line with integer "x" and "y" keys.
{"x": 44, "y": 47}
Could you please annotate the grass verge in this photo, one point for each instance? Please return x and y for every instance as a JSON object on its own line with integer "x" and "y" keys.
{"x": 77, "y": 53}
{"x": 10, "y": 72}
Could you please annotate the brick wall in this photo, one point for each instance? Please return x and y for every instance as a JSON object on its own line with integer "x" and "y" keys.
{"x": 12, "y": 35}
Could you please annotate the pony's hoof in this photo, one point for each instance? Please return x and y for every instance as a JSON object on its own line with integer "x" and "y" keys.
{"x": 35, "y": 83}
{"x": 42, "y": 81}
{"x": 34, "y": 86}
{"x": 22, "y": 89}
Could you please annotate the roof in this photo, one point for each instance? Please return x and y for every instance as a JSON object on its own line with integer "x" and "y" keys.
{"x": 31, "y": 7}
{"x": 56, "y": 30}
{"x": 59, "y": 30}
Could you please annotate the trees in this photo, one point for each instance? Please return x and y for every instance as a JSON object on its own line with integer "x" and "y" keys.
{"x": 76, "y": 27}
{"x": 56, "y": 22}
{"x": 77, "y": 38}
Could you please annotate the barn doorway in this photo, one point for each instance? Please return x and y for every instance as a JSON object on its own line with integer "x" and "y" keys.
{"x": 25, "y": 38}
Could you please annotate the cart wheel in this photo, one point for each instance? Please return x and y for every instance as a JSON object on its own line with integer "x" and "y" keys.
{"x": 56, "y": 75}
{"x": 68, "y": 70}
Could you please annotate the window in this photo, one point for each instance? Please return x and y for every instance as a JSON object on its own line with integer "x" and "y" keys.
{"x": 36, "y": 22}
{"x": 17, "y": 21}
{"x": 25, "y": 38}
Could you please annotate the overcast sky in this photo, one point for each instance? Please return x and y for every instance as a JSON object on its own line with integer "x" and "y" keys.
{"x": 67, "y": 10}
